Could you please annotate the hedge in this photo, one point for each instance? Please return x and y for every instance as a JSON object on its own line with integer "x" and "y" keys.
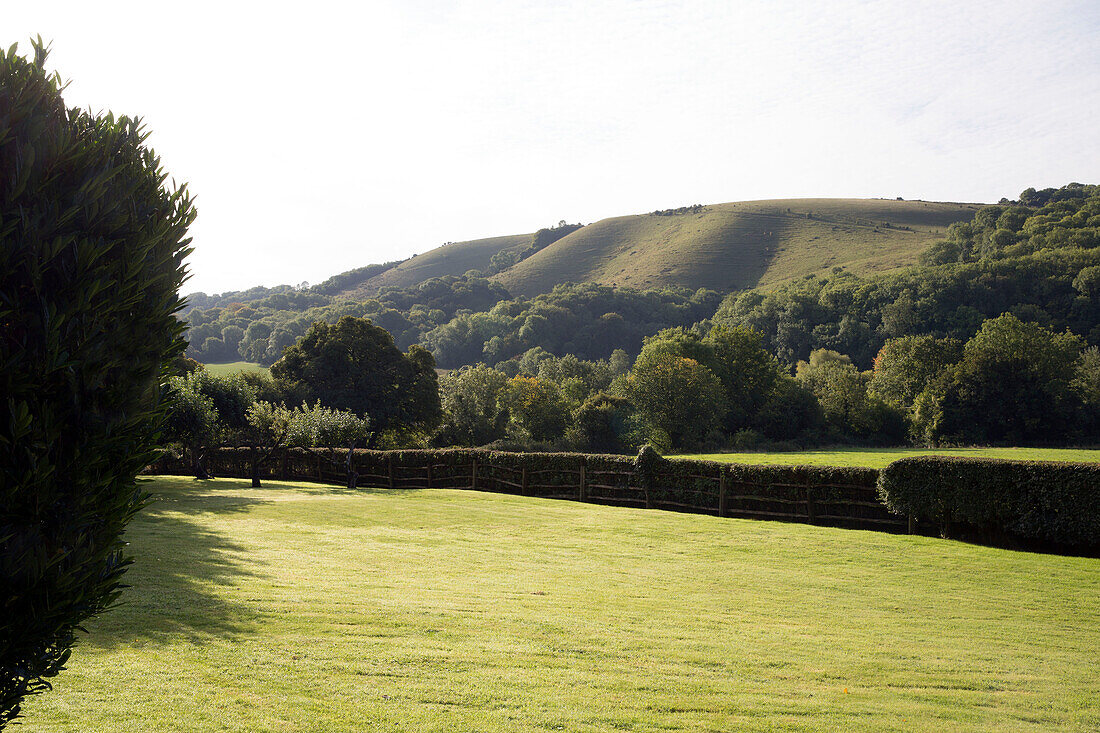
{"x": 1050, "y": 502}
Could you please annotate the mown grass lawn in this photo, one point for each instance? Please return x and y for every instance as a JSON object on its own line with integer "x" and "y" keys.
{"x": 233, "y": 367}
{"x": 308, "y": 608}
{"x": 880, "y": 457}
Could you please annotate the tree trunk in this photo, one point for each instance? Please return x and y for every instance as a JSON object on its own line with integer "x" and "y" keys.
{"x": 198, "y": 457}
{"x": 349, "y": 465}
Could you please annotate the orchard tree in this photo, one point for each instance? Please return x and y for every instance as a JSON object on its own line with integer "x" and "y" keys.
{"x": 208, "y": 411}
{"x": 327, "y": 429}
{"x": 92, "y": 243}
{"x": 354, "y": 365}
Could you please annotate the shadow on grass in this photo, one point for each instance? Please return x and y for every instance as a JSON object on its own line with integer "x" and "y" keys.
{"x": 181, "y": 570}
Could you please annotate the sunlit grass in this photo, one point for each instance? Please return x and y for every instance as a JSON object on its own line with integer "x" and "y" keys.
{"x": 879, "y": 457}
{"x": 309, "y": 608}
{"x": 233, "y": 367}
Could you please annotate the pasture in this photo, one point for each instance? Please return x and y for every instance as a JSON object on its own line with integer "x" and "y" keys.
{"x": 881, "y": 457}
{"x": 309, "y": 608}
{"x": 221, "y": 370}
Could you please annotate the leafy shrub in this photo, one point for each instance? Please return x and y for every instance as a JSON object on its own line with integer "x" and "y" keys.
{"x": 1051, "y": 502}
{"x": 91, "y": 259}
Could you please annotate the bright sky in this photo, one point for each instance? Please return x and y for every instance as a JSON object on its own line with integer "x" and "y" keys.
{"x": 321, "y": 136}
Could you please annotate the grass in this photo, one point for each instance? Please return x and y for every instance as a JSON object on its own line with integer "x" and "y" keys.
{"x": 451, "y": 259}
{"x": 307, "y": 608}
{"x": 739, "y": 245}
{"x": 880, "y": 457}
{"x": 235, "y": 366}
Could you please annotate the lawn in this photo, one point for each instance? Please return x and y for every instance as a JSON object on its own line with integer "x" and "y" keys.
{"x": 880, "y": 457}
{"x": 233, "y": 367}
{"x": 308, "y": 608}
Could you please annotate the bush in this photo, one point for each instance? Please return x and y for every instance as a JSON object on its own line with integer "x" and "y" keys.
{"x": 1051, "y": 502}
{"x": 91, "y": 259}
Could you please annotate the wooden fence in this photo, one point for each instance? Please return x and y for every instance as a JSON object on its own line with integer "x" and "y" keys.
{"x": 843, "y": 497}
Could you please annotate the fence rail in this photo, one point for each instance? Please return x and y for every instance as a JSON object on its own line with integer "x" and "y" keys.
{"x": 846, "y": 497}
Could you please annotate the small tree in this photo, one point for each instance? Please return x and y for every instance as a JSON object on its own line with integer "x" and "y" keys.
{"x": 91, "y": 260}
{"x": 329, "y": 430}
{"x": 268, "y": 427}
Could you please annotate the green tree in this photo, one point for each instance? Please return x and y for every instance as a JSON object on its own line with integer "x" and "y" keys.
{"x": 905, "y": 366}
{"x": 473, "y": 406}
{"x": 354, "y": 365}
{"x": 536, "y": 408}
{"x": 841, "y": 390}
{"x": 267, "y": 429}
{"x": 1013, "y": 385}
{"x": 748, "y": 373}
{"x": 676, "y": 396}
{"x": 92, "y": 244}
{"x": 327, "y": 429}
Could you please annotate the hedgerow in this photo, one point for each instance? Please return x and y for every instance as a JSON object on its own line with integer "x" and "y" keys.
{"x": 1051, "y": 502}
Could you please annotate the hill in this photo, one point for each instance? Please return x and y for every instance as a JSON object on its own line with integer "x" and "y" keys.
{"x": 454, "y": 258}
{"x": 732, "y": 246}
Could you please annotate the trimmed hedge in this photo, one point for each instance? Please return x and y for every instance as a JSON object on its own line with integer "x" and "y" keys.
{"x": 1051, "y": 502}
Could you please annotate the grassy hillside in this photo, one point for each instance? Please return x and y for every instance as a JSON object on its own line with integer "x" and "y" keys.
{"x": 739, "y": 245}
{"x": 881, "y": 457}
{"x": 450, "y": 259}
{"x": 308, "y": 608}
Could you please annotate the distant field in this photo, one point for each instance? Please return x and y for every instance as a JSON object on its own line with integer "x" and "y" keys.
{"x": 234, "y": 367}
{"x": 879, "y": 457}
{"x": 740, "y": 245}
{"x": 309, "y": 608}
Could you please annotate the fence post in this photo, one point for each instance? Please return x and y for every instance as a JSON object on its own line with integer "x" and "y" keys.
{"x": 389, "y": 461}
{"x": 722, "y": 509}
{"x": 473, "y": 474}
{"x": 282, "y": 465}
{"x": 811, "y": 510}
{"x": 429, "y": 474}
{"x": 912, "y": 524}
{"x": 320, "y": 469}
{"x": 523, "y": 482}
{"x": 584, "y": 481}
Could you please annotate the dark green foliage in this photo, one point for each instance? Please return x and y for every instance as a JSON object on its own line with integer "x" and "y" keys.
{"x": 277, "y": 318}
{"x": 1051, "y": 502}
{"x": 602, "y": 424}
{"x": 354, "y": 365}
{"x": 905, "y": 366}
{"x": 91, "y": 257}
{"x": 588, "y": 321}
{"x": 1013, "y": 385}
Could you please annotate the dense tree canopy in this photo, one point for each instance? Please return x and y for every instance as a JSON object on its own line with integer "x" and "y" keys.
{"x": 354, "y": 365}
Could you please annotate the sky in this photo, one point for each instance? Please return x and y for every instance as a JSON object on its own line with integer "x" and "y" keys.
{"x": 322, "y": 136}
